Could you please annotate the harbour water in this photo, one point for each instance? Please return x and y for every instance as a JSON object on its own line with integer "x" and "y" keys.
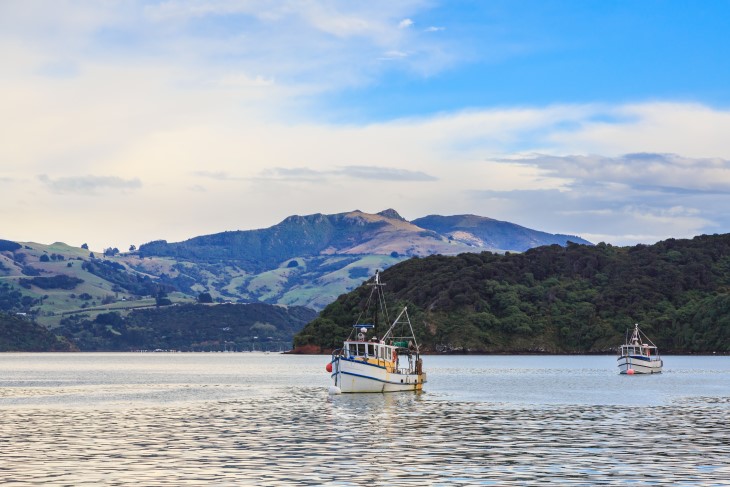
{"x": 267, "y": 419}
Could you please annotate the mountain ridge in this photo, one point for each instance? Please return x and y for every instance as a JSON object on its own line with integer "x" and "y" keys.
{"x": 357, "y": 232}
{"x": 304, "y": 260}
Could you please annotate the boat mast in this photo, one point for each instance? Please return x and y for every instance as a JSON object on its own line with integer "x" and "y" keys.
{"x": 378, "y": 290}
{"x": 381, "y": 296}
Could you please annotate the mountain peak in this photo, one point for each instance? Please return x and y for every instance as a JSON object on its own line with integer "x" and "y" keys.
{"x": 391, "y": 213}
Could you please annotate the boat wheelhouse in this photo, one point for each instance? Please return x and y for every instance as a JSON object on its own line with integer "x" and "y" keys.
{"x": 367, "y": 363}
{"x": 639, "y": 355}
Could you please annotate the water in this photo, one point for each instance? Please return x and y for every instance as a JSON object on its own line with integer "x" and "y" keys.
{"x": 256, "y": 419}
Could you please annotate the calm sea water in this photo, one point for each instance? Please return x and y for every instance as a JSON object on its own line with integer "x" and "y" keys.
{"x": 256, "y": 419}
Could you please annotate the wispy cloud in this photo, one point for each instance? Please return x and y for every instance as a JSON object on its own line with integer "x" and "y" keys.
{"x": 217, "y": 175}
{"x": 405, "y": 23}
{"x": 670, "y": 173}
{"x": 623, "y": 220}
{"x": 384, "y": 174}
{"x": 349, "y": 172}
{"x": 295, "y": 174}
{"x": 89, "y": 185}
{"x": 393, "y": 55}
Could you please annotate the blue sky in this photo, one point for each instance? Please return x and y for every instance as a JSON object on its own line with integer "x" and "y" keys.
{"x": 546, "y": 52}
{"x": 130, "y": 121}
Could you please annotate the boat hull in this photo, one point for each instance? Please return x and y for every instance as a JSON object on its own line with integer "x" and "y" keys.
{"x": 640, "y": 364}
{"x": 359, "y": 376}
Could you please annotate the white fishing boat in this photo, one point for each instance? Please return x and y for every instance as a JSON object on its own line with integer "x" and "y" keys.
{"x": 639, "y": 355}
{"x": 366, "y": 363}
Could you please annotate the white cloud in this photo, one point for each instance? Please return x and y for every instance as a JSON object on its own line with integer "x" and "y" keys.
{"x": 393, "y": 55}
{"x": 405, "y": 23}
{"x": 669, "y": 173}
{"x": 695, "y": 130}
{"x": 88, "y": 185}
{"x": 377, "y": 173}
{"x": 217, "y": 119}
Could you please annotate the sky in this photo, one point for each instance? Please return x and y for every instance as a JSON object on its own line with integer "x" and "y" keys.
{"x": 124, "y": 122}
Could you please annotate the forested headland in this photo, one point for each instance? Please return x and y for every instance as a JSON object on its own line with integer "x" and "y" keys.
{"x": 20, "y": 334}
{"x": 553, "y": 299}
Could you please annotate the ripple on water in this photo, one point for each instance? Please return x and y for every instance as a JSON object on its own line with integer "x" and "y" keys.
{"x": 301, "y": 436}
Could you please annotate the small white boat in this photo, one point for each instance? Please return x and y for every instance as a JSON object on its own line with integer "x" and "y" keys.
{"x": 639, "y": 355}
{"x": 368, "y": 364}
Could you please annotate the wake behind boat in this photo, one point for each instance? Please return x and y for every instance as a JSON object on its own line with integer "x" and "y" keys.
{"x": 368, "y": 364}
{"x": 639, "y": 355}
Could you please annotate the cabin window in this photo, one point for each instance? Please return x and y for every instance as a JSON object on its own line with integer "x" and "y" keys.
{"x": 371, "y": 350}
{"x": 361, "y": 349}
{"x": 382, "y": 352}
{"x": 353, "y": 350}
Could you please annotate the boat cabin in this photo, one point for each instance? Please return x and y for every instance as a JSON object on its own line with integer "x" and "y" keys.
{"x": 637, "y": 349}
{"x": 369, "y": 350}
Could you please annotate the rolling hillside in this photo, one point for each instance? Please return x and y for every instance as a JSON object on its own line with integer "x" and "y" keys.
{"x": 302, "y": 261}
{"x": 310, "y": 260}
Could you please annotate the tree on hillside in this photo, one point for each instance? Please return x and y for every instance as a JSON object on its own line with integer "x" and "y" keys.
{"x": 111, "y": 251}
{"x": 132, "y": 248}
{"x": 162, "y": 300}
{"x": 205, "y": 298}
{"x": 85, "y": 246}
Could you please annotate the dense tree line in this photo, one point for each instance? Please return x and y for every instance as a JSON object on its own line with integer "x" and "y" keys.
{"x": 556, "y": 299}
{"x": 13, "y": 300}
{"x": 59, "y": 281}
{"x": 193, "y": 327}
{"x": 19, "y": 334}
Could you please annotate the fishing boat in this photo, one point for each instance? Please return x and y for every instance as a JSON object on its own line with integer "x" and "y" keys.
{"x": 366, "y": 363}
{"x": 639, "y": 355}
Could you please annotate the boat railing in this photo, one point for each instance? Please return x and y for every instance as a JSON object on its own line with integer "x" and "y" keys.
{"x": 337, "y": 352}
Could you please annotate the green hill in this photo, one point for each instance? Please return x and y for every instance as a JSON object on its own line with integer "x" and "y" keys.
{"x": 556, "y": 299}
{"x": 302, "y": 261}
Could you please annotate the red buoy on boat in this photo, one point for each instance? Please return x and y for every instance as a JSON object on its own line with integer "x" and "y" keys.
{"x": 630, "y": 371}
{"x": 329, "y": 367}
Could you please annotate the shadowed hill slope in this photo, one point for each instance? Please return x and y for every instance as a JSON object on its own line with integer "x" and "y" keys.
{"x": 479, "y": 231}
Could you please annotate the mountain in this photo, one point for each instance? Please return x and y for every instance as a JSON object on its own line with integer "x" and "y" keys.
{"x": 573, "y": 299}
{"x": 353, "y": 233}
{"x": 301, "y": 261}
{"x": 487, "y": 233}
{"x": 310, "y": 260}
